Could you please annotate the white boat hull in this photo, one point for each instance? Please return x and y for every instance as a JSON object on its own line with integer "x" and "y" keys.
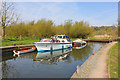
{"x": 41, "y": 47}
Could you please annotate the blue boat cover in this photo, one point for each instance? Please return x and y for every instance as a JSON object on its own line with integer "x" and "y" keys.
{"x": 68, "y": 38}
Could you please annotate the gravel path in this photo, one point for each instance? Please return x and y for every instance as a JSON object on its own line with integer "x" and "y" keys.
{"x": 95, "y": 65}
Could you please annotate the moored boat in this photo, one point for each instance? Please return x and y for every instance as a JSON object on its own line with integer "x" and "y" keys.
{"x": 78, "y": 44}
{"x": 23, "y": 50}
{"x": 57, "y": 42}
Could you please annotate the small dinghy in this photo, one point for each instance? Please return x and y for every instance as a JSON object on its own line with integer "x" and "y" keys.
{"x": 23, "y": 50}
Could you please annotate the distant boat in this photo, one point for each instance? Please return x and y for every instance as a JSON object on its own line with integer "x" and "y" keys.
{"x": 78, "y": 44}
{"x": 23, "y": 50}
{"x": 57, "y": 42}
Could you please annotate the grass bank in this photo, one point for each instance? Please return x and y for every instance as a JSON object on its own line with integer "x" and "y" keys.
{"x": 112, "y": 62}
{"x": 16, "y": 40}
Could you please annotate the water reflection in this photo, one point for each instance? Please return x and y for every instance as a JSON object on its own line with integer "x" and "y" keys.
{"x": 85, "y": 52}
{"x": 52, "y": 57}
{"x": 9, "y": 66}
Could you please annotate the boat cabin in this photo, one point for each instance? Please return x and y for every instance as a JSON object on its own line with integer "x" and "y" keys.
{"x": 57, "y": 38}
{"x": 63, "y": 37}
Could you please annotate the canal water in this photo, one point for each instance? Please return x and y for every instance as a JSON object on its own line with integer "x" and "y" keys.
{"x": 56, "y": 64}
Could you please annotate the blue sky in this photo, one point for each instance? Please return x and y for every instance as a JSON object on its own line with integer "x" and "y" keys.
{"x": 95, "y": 13}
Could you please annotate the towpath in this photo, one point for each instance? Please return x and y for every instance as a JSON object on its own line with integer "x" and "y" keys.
{"x": 95, "y": 66}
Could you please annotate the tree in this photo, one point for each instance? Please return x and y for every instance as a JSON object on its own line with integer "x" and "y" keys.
{"x": 7, "y": 15}
{"x": 67, "y": 26}
{"x": 59, "y": 29}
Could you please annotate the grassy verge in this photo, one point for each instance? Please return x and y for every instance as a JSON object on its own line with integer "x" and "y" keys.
{"x": 113, "y": 62}
{"x": 15, "y": 40}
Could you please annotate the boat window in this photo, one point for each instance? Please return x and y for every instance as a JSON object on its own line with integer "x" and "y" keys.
{"x": 59, "y": 36}
{"x": 64, "y": 37}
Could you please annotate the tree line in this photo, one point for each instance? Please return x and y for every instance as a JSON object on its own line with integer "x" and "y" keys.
{"x": 108, "y": 30}
{"x": 43, "y": 28}
{"x": 46, "y": 28}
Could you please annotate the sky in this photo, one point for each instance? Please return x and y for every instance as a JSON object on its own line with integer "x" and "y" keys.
{"x": 95, "y": 13}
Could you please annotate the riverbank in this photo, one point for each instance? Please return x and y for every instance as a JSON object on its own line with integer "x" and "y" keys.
{"x": 19, "y": 42}
{"x": 95, "y": 66}
{"x": 11, "y": 41}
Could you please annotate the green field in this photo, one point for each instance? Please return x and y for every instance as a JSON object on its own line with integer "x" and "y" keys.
{"x": 113, "y": 61}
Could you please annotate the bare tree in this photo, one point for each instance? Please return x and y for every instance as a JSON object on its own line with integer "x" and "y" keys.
{"x": 7, "y": 15}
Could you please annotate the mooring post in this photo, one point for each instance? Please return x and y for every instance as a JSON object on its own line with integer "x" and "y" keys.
{"x": 93, "y": 52}
{"x": 20, "y": 37}
{"x": 78, "y": 69}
